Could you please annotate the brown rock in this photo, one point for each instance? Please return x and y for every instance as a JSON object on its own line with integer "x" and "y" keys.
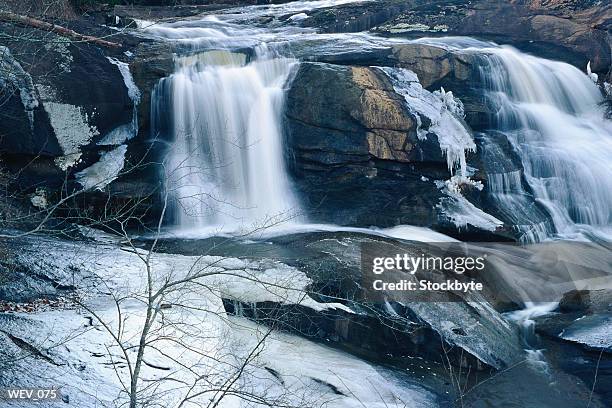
{"x": 380, "y": 110}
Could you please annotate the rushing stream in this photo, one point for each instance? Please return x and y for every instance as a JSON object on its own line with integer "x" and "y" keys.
{"x": 550, "y": 113}
{"x": 233, "y": 209}
{"x": 223, "y": 109}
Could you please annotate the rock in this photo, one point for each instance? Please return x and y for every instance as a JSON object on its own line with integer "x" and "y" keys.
{"x": 587, "y": 301}
{"x": 355, "y": 148}
{"x": 578, "y": 37}
{"x": 433, "y": 65}
{"x": 571, "y": 31}
{"x": 470, "y": 331}
{"x": 62, "y": 105}
{"x": 151, "y": 62}
{"x": 578, "y": 337}
{"x": 355, "y": 17}
{"x": 379, "y": 110}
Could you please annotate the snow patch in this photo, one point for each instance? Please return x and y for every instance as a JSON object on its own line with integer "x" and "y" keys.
{"x": 459, "y": 210}
{"x": 72, "y": 130}
{"x": 124, "y": 69}
{"x": 106, "y": 170}
{"x": 39, "y": 199}
{"x": 12, "y": 75}
{"x": 298, "y": 17}
{"x": 89, "y": 359}
{"x": 593, "y": 76}
{"x": 592, "y": 330}
{"x": 61, "y": 46}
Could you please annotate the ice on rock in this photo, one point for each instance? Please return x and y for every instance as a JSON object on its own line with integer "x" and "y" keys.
{"x": 125, "y": 132}
{"x": 124, "y": 69}
{"x": 459, "y": 210}
{"x": 446, "y": 114}
{"x": 72, "y": 130}
{"x": 106, "y": 170}
{"x": 226, "y": 343}
{"x": 593, "y": 76}
{"x": 298, "y": 17}
{"x": 12, "y": 74}
{"x": 443, "y": 110}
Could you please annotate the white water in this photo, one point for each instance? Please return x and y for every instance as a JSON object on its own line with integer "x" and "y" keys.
{"x": 550, "y": 112}
{"x": 225, "y": 167}
{"x": 525, "y": 319}
{"x": 506, "y": 189}
{"x": 403, "y": 232}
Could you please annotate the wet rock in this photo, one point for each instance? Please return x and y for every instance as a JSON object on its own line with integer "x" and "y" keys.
{"x": 585, "y": 318}
{"x": 467, "y": 331}
{"x": 151, "y": 62}
{"x": 587, "y": 301}
{"x": 355, "y": 17}
{"x": 433, "y": 65}
{"x": 578, "y": 337}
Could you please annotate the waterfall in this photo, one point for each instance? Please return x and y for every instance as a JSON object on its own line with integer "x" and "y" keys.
{"x": 551, "y": 114}
{"x": 510, "y": 198}
{"x": 225, "y": 168}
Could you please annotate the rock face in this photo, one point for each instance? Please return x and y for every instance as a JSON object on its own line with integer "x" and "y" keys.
{"x": 358, "y": 16}
{"x": 571, "y": 31}
{"x": 62, "y": 100}
{"x": 76, "y": 97}
{"x": 65, "y": 113}
{"x": 469, "y": 329}
{"x": 355, "y": 148}
{"x": 362, "y": 155}
{"x": 152, "y": 61}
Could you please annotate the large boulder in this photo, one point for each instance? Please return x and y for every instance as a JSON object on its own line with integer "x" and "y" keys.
{"x": 466, "y": 330}
{"x": 70, "y": 121}
{"x": 63, "y": 103}
{"x": 356, "y": 150}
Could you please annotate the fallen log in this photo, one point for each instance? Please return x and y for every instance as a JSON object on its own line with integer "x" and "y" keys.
{"x": 9, "y": 17}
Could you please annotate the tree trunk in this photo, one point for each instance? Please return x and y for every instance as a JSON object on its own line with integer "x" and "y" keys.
{"x": 59, "y": 30}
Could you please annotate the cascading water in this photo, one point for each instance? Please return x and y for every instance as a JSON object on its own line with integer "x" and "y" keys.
{"x": 225, "y": 168}
{"x": 511, "y": 198}
{"x": 547, "y": 110}
{"x": 550, "y": 113}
